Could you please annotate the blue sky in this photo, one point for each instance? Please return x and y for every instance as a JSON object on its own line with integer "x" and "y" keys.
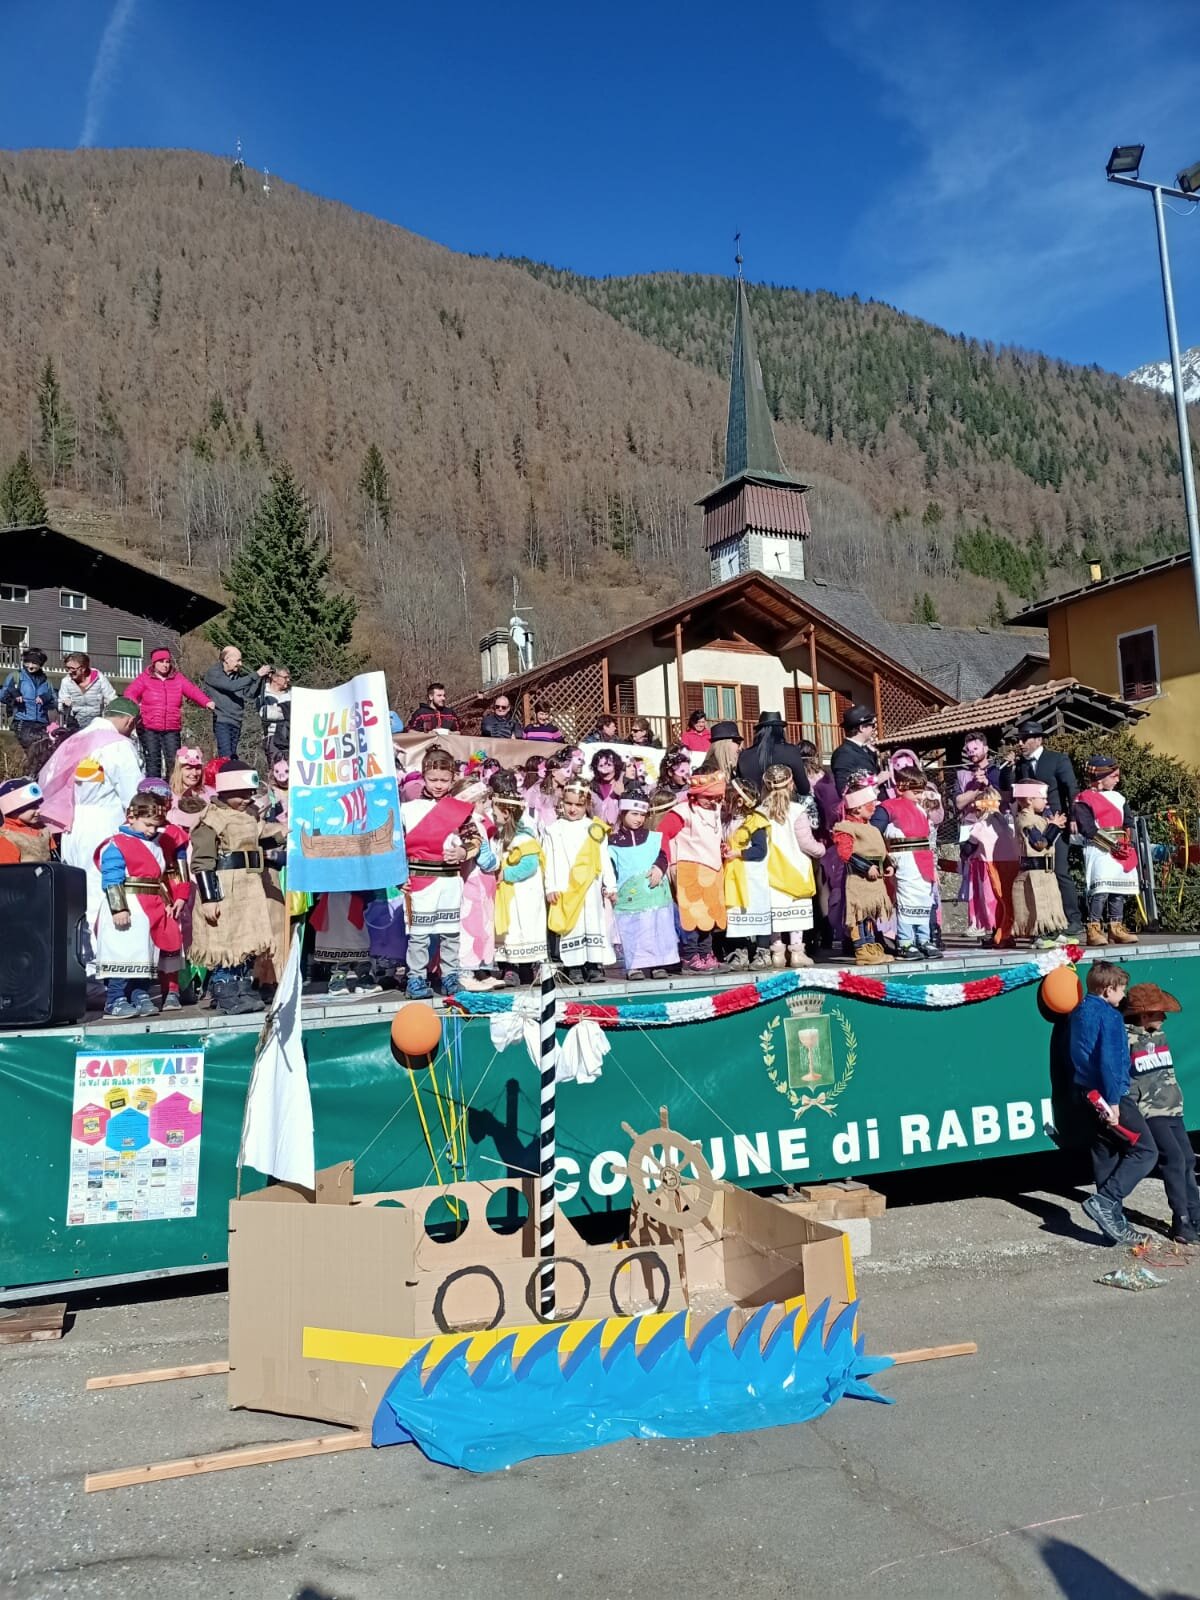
{"x": 945, "y": 157}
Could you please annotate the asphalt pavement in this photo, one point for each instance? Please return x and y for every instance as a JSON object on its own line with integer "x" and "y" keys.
{"x": 1061, "y": 1460}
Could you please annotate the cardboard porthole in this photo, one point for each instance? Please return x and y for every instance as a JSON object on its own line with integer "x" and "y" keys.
{"x": 639, "y": 1283}
{"x": 572, "y": 1285}
{"x": 507, "y": 1211}
{"x": 446, "y": 1219}
{"x": 467, "y": 1299}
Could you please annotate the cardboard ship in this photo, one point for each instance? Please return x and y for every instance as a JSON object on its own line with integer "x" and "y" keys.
{"x": 418, "y": 1313}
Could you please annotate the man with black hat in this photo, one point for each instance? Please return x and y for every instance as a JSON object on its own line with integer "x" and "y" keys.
{"x": 770, "y": 748}
{"x": 29, "y": 698}
{"x": 856, "y": 753}
{"x": 1036, "y": 764}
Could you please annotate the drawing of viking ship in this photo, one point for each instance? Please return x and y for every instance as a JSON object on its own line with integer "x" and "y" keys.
{"x": 358, "y": 840}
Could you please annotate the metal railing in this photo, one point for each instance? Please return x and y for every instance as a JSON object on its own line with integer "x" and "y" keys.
{"x": 116, "y": 668}
{"x": 667, "y": 731}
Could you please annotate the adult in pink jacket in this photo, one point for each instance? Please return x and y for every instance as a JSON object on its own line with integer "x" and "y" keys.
{"x": 159, "y": 690}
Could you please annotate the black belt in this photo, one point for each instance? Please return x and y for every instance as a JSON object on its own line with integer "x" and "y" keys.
{"x": 434, "y": 869}
{"x": 241, "y": 861}
{"x": 901, "y": 845}
{"x": 1037, "y": 864}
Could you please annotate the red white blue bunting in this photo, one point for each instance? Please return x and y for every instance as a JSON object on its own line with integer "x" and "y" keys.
{"x": 850, "y": 981}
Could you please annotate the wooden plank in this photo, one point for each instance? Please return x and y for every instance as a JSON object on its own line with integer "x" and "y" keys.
{"x": 934, "y": 1352}
{"x": 33, "y": 1323}
{"x": 123, "y": 1380}
{"x": 255, "y": 1455}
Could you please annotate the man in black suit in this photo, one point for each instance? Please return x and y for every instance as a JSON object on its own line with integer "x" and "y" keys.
{"x": 856, "y": 753}
{"x": 1036, "y": 764}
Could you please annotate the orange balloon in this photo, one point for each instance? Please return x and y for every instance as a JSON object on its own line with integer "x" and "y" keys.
{"x": 416, "y": 1030}
{"x": 1061, "y": 991}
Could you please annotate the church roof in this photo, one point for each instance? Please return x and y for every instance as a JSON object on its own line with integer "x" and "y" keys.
{"x": 965, "y": 662}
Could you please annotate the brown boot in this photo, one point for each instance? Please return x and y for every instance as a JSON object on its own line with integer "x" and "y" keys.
{"x": 871, "y": 955}
{"x": 1095, "y": 934}
{"x": 1120, "y": 934}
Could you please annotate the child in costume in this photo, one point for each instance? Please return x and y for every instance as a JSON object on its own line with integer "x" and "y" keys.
{"x": 791, "y": 851}
{"x": 22, "y": 838}
{"x": 606, "y": 786}
{"x": 229, "y": 869}
{"x": 579, "y": 879}
{"x": 138, "y": 923}
{"x": 477, "y": 917}
{"x": 863, "y": 851}
{"x": 1110, "y": 864}
{"x": 433, "y": 894}
{"x": 693, "y": 844}
{"x": 907, "y": 832}
{"x": 1155, "y": 1089}
{"x": 747, "y": 886}
{"x": 520, "y": 888}
{"x": 645, "y": 911}
{"x": 174, "y": 841}
{"x": 993, "y": 860}
{"x": 1037, "y": 902}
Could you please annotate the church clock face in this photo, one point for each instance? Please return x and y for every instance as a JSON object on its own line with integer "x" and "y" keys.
{"x": 776, "y": 555}
{"x": 729, "y": 562}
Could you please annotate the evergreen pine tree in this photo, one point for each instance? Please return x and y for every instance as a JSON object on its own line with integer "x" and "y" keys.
{"x": 282, "y": 608}
{"x": 21, "y": 503}
{"x": 58, "y": 424}
{"x": 375, "y": 485}
{"x": 924, "y": 608}
{"x": 998, "y": 615}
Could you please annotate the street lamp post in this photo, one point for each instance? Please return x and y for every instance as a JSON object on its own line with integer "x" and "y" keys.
{"x": 1123, "y": 168}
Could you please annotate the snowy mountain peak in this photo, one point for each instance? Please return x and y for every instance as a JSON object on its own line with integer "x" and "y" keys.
{"x": 1157, "y": 374}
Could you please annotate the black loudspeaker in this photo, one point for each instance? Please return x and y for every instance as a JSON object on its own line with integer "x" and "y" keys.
{"x": 43, "y": 915}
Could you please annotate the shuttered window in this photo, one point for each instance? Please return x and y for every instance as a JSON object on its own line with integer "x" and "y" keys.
{"x": 1138, "y": 655}
{"x": 623, "y": 696}
{"x": 750, "y": 702}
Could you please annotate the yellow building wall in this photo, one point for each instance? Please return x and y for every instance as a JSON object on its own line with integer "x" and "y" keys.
{"x": 1083, "y": 645}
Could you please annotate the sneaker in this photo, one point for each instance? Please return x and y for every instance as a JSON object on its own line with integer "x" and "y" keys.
{"x": 760, "y": 961}
{"x": 121, "y": 1010}
{"x": 1110, "y": 1218}
{"x": 512, "y": 978}
{"x": 593, "y": 973}
{"x": 739, "y": 961}
{"x": 694, "y": 964}
{"x": 1183, "y": 1232}
{"x": 417, "y": 987}
{"x": 907, "y": 952}
{"x": 931, "y": 952}
{"x": 339, "y": 987}
{"x": 144, "y": 1005}
{"x": 171, "y": 1001}
{"x": 365, "y": 987}
{"x": 450, "y": 983}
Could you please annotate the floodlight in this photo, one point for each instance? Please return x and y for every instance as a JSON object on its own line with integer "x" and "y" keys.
{"x": 1189, "y": 179}
{"x": 1125, "y": 159}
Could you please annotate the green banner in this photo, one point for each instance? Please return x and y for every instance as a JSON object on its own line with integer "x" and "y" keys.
{"x": 823, "y": 1087}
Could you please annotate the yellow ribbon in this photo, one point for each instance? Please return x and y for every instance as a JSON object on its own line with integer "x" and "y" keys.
{"x": 564, "y": 913}
{"x": 506, "y": 892}
{"x": 737, "y": 879}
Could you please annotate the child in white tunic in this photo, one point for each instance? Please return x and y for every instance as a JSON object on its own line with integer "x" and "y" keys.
{"x": 579, "y": 879}
{"x": 790, "y": 855}
{"x": 135, "y": 905}
{"x": 521, "y": 884}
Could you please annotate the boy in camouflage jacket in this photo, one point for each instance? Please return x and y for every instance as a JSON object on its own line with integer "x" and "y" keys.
{"x": 1155, "y": 1088}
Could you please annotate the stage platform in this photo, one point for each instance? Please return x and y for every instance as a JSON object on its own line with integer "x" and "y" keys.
{"x": 787, "y": 1084}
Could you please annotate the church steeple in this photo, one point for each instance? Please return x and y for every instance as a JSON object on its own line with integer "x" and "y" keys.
{"x": 757, "y": 518}
{"x": 749, "y": 433}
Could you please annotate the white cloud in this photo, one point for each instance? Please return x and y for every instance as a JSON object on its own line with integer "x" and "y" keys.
{"x": 1000, "y": 223}
{"x": 104, "y": 69}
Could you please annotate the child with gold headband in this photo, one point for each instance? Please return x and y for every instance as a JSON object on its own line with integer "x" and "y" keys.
{"x": 863, "y": 849}
{"x": 747, "y": 887}
{"x": 579, "y": 880}
{"x": 644, "y": 911}
{"x": 693, "y": 844}
{"x": 791, "y": 879}
{"x": 521, "y": 885}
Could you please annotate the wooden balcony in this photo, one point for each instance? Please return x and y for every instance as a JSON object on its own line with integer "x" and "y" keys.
{"x": 666, "y": 731}
{"x": 119, "y": 670}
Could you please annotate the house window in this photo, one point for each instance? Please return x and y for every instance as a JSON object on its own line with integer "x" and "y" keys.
{"x": 721, "y": 702}
{"x": 1137, "y": 656}
{"x": 69, "y": 642}
{"x": 16, "y": 592}
{"x": 129, "y": 657}
{"x": 12, "y": 640}
{"x": 72, "y": 600}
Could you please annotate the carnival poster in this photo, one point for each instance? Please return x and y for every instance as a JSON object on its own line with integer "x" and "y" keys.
{"x": 136, "y": 1120}
{"x": 344, "y": 830}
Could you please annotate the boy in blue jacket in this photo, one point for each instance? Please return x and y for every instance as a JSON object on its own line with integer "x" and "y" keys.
{"x": 1100, "y": 1059}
